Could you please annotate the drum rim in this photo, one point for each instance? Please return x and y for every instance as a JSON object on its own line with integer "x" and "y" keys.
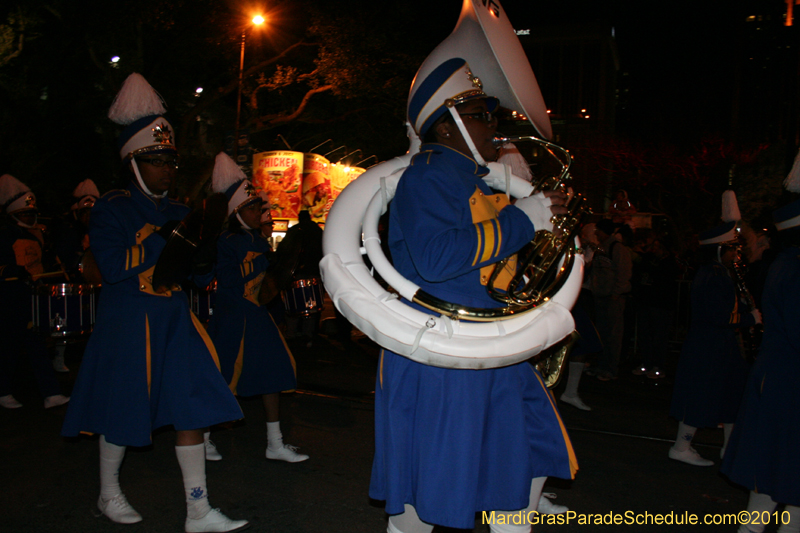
{"x": 306, "y": 282}
{"x": 66, "y": 289}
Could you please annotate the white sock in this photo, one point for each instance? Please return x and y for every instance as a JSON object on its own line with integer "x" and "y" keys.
{"x": 758, "y": 503}
{"x": 274, "y": 435}
{"x": 408, "y": 522}
{"x": 192, "y": 460}
{"x": 111, "y": 457}
{"x": 533, "y": 503}
{"x": 726, "y": 432}
{"x": 206, "y": 436}
{"x": 573, "y": 379}
{"x": 793, "y": 525}
{"x": 685, "y": 436}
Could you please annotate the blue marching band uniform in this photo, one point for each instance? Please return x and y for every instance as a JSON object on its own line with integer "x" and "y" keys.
{"x": 158, "y": 366}
{"x": 762, "y": 453}
{"x": 148, "y": 363}
{"x": 254, "y": 357}
{"x": 444, "y": 436}
{"x": 712, "y": 370}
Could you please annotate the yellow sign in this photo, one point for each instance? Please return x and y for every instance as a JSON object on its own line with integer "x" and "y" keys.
{"x": 279, "y": 173}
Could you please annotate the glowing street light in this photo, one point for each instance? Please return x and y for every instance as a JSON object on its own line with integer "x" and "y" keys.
{"x": 258, "y": 20}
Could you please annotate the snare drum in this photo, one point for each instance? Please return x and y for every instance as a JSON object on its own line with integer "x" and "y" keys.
{"x": 203, "y": 301}
{"x": 304, "y": 297}
{"x": 65, "y": 309}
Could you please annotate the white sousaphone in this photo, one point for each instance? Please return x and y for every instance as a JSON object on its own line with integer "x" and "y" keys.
{"x": 484, "y": 38}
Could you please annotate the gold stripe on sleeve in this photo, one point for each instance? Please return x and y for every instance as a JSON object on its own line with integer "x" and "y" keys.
{"x": 488, "y": 248}
{"x": 478, "y": 247}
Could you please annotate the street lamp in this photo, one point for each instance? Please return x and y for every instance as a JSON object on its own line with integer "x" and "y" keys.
{"x": 258, "y": 20}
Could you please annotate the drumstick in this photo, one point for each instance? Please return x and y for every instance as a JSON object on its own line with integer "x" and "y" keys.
{"x": 42, "y": 275}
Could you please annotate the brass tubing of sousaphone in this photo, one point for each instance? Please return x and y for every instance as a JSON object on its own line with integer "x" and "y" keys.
{"x": 547, "y": 265}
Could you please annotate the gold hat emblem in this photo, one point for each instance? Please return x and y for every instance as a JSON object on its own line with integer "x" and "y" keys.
{"x": 476, "y": 81}
{"x": 162, "y": 134}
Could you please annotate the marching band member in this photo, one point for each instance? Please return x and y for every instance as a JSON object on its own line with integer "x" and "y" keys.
{"x": 762, "y": 454}
{"x": 305, "y": 236}
{"x": 70, "y": 235}
{"x": 152, "y": 365}
{"x": 254, "y": 358}
{"x": 712, "y": 370}
{"x": 452, "y": 442}
{"x": 21, "y": 251}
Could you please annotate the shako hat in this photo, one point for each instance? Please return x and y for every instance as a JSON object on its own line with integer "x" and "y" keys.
{"x": 723, "y": 233}
{"x": 85, "y": 194}
{"x": 141, "y": 109}
{"x": 448, "y": 85}
{"x": 14, "y": 195}
{"x": 229, "y": 179}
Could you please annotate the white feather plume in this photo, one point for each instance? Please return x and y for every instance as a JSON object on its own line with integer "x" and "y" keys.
{"x": 730, "y": 207}
{"x": 226, "y": 173}
{"x": 792, "y": 182}
{"x": 509, "y": 155}
{"x": 10, "y": 187}
{"x": 86, "y": 188}
{"x": 136, "y": 99}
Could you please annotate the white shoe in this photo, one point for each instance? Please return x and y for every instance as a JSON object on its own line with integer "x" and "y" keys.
{"x": 689, "y": 456}
{"x": 55, "y": 401}
{"x": 215, "y": 521}
{"x": 211, "y": 451}
{"x": 575, "y": 401}
{"x": 286, "y": 453}
{"x": 9, "y": 402}
{"x": 118, "y": 510}
{"x": 548, "y": 507}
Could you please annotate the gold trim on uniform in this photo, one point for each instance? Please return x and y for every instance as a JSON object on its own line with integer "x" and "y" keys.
{"x": 484, "y": 211}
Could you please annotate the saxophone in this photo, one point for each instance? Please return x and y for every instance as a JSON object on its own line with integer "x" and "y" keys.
{"x": 750, "y": 338}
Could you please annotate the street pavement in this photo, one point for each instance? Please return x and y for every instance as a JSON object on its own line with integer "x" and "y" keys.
{"x": 51, "y": 484}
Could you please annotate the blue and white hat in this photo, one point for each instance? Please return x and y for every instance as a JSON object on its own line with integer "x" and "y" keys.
{"x": 448, "y": 85}
{"x": 723, "y": 233}
{"x": 787, "y": 216}
{"x": 141, "y": 109}
{"x": 229, "y": 179}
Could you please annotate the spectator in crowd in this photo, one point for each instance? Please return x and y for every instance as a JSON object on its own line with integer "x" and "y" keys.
{"x": 611, "y": 284}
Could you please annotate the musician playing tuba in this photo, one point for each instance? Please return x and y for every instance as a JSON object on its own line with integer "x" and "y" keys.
{"x": 452, "y": 442}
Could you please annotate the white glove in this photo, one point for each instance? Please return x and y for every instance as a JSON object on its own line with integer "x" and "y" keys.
{"x": 537, "y": 207}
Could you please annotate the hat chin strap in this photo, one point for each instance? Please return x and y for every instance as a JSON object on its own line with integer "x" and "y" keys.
{"x": 24, "y": 225}
{"x": 242, "y": 222}
{"x": 467, "y": 137}
{"x": 141, "y": 181}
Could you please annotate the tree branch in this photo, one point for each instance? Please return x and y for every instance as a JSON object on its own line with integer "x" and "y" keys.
{"x": 268, "y": 121}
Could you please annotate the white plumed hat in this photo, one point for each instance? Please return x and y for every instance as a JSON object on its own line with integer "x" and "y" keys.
{"x": 15, "y": 195}
{"x": 730, "y": 207}
{"x": 229, "y": 179}
{"x": 139, "y": 107}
